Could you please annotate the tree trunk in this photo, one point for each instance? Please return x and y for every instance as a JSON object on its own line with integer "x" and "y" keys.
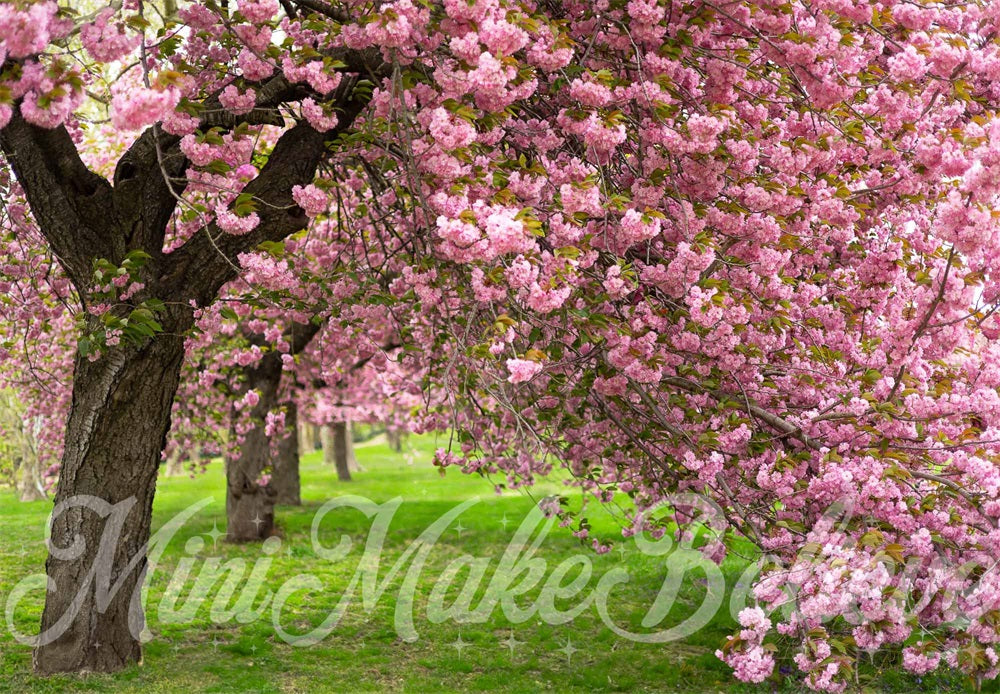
{"x": 285, "y": 479}
{"x": 326, "y": 442}
{"x": 340, "y": 449}
{"x": 395, "y": 438}
{"x": 249, "y": 502}
{"x": 115, "y": 434}
{"x": 305, "y": 438}
{"x": 31, "y": 486}
{"x": 352, "y": 460}
{"x": 175, "y": 464}
{"x": 335, "y": 448}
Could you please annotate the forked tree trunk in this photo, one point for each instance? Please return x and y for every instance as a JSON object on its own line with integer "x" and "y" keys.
{"x": 117, "y": 428}
{"x": 286, "y": 480}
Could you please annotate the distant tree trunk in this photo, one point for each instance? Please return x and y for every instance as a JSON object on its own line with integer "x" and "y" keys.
{"x": 316, "y": 433}
{"x": 326, "y": 441}
{"x": 335, "y": 449}
{"x": 352, "y": 460}
{"x": 395, "y": 437}
{"x": 175, "y": 463}
{"x": 31, "y": 486}
{"x": 305, "y": 438}
{"x": 285, "y": 479}
{"x": 249, "y": 504}
{"x": 341, "y": 446}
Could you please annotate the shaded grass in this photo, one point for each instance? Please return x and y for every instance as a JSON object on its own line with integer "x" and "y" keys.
{"x": 364, "y": 652}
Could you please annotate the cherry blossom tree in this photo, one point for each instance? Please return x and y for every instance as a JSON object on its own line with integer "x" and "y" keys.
{"x": 132, "y": 345}
{"x": 743, "y": 249}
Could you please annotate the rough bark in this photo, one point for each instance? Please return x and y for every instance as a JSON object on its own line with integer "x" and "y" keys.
{"x": 285, "y": 478}
{"x": 116, "y": 430}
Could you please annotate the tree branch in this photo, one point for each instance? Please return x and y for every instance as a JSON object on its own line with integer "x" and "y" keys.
{"x": 69, "y": 201}
{"x": 208, "y": 260}
{"x": 324, "y": 8}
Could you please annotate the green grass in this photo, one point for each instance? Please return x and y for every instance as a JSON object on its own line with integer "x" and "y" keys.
{"x": 364, "y": 652}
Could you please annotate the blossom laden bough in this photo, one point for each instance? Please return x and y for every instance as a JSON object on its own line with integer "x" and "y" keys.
{"x": 746, "y": 250}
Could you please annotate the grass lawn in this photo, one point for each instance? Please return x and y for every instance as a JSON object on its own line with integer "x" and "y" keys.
{"x": 220, "y": 653}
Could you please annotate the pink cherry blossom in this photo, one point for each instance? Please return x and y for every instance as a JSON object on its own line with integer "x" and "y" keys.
{"x": 522, "y": 370}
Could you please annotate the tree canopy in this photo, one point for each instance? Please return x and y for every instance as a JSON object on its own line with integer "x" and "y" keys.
{"x": 742, "y": 249}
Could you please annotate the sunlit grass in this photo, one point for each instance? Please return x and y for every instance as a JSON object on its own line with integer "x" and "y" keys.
{"x": 364, "y": 652}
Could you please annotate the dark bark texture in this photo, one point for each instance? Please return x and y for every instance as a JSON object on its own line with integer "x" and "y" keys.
{"x": 117, "y": 427}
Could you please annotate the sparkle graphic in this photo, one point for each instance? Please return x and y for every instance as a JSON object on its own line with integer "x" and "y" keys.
{"x": 257, "y": 521}
{"x": 460, "y": 645}
{"x": 504, "y": 521}
{"x": 215, "y": 534}
{"x": 215, "y": 643}
{"x": 460, "y": 528}
{"x": 569, "y": 650}
{"x": 622, "y": 551}
{"x": 512, "y": 643}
